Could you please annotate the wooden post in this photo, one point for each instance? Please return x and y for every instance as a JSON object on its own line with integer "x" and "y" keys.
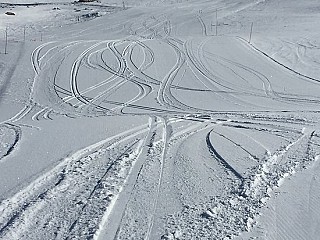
{"x": 24, "y": 33}
{"x": 123, "y": 5}
{"x": 250, "y": 32}
{"x": 6, "y": 41}
{"x": 41, "y": 36}
{"x": 216, "y": 22}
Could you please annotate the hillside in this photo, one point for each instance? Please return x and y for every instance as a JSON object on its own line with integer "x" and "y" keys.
{"x": 160, "y": 120}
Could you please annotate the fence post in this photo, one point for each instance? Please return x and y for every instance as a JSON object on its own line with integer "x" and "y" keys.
{"x": 216, "y": 22}
{"x": 6, "y": 41}
{"x": 250, "y": 32}
{"x": 24, "y": 33}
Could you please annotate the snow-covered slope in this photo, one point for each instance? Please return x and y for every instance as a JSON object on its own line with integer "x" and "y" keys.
{"x": 160, "y": 120}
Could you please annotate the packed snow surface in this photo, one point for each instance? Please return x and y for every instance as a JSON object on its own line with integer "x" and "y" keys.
{"x": 160, "y": 119}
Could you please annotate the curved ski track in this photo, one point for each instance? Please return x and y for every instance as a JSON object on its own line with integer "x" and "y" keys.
{"x": 170, "y": 178}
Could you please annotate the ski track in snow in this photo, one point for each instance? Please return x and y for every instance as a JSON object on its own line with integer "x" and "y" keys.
{"x": 222, "y": 135}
